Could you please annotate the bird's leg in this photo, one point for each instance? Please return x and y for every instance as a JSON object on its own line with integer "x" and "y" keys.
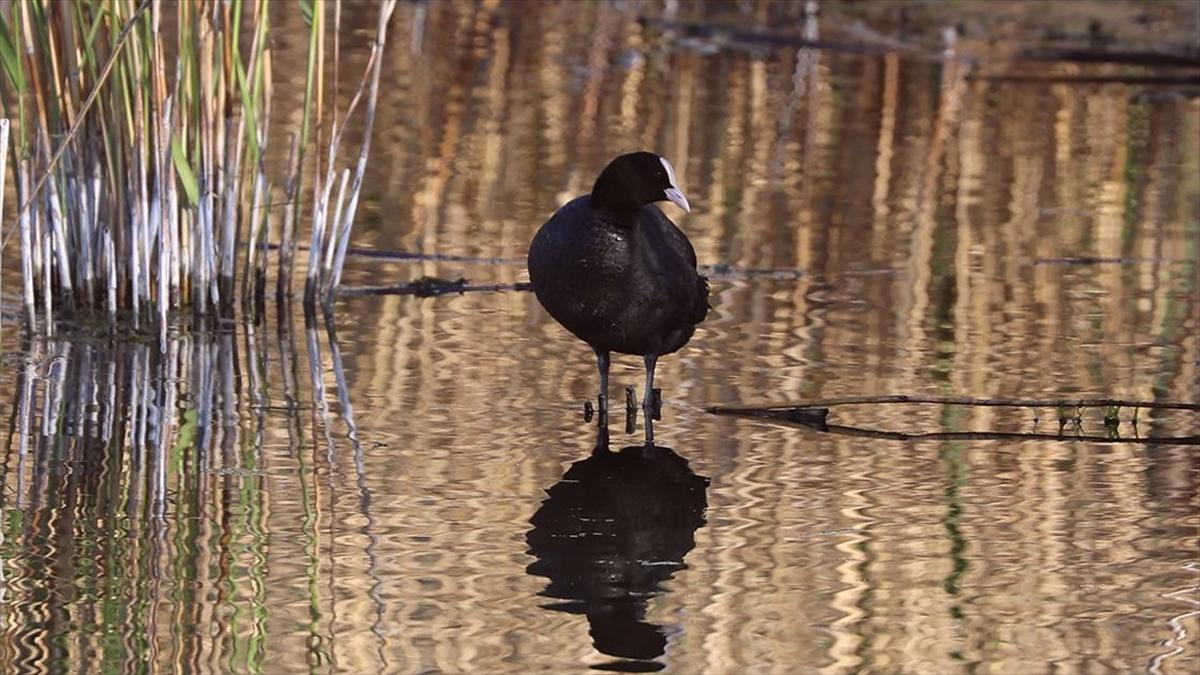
{"x": 602, "y": 361}
{"x": 601, "y": 446}
{"x": 630, "y": 409}
{"x": 648, "y": 398}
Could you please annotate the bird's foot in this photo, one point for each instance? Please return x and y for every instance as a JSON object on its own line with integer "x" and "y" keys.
{"x": 648, "y": 418}
{"x": 631, "y": 408}
{"x": 652, "y": 406}
{"x": 601, "y": 446}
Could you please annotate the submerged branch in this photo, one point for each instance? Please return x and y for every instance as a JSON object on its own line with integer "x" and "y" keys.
{"x": 1120, "y": 56}
{"x": 428, "y": 287}
{"x": 815, "y": 416}
{"x": 750, "y": 37}
{"x": 864, "y": 432}
{"x": 962, "y": 400}
{"x": 1165, "y": 80}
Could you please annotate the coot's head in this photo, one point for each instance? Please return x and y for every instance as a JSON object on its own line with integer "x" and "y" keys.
{"x": 634, "y": 180}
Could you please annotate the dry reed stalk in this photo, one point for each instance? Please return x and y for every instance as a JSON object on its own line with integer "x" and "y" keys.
{"x": 322, "y": 182}
{"x": 92, "y": 224}
{"x": 339, "y": 207}
{"x": 318, "y": 22}
{"x": 47, "y": 301}
{"x": 321, "y": 212}
{"x": 164, "y": 186}
{"x": 233, "y": 162}
{"x": 85, "y": 270}
{"x": 4, "y": 125}
{"x": 204, "y": 250}
{"x": 138, "y": 258}
{"x": 39, "y": 261}
{"x": 267, "y": 88}
{"x": 31, "y": 64}
{"x": 385, "y": 13}
{"x": 161, "y": 218}
{"x": 218, "y": 147}
{"x": 317, "y": 241}
{"x": 291, "y": 207}
{"x": 258, "y": 215}
{"x": 257, "y": 120}
{"x": 294, "y": 192}
{"x": 110, "y": 259}
{"x": 25, "y": 226}
{"x": 60, "y": 248}
{"x": 140, "y": 180}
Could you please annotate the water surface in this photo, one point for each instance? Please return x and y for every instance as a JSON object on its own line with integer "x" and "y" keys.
{"x": 400, "y": 493}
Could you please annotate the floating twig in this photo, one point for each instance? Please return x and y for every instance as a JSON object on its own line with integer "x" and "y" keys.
{"x": 965, "y": 400}
{"x": 863, "y": 432}
{"x": 1167, "y": 80}
{"x": 741, "y": 36}
{"x": 1092, "y": 260}
{"x": 1127, "y": 57}
{"x": 815, "y": 416}
{"x": 429, "y": 287}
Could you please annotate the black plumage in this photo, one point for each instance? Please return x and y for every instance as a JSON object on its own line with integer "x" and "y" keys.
{"x": 617, "y": 273}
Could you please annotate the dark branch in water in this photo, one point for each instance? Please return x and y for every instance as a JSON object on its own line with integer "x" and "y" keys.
{"x": 1091, "y": 260}
{"x": 815, "y": 416}
{"x": 738, "y": 36}
{"x": 391, "y": 254}
{"x": 1168, "y": 80}
{"x": 962, "y": 400}
{"x": 863, "y": 432}
{"x": 716, "y": 270}
{"x": 746, "y": 37}
{"x": 426, "y": 287}
{"x": 1130, "y": 57}
{"x": 719, "y": 270}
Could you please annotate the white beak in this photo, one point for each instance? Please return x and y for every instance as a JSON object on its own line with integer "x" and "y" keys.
{"x": 677, "y": 199}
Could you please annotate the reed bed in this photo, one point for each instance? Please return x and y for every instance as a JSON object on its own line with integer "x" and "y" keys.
{"x": 139, "y": 136}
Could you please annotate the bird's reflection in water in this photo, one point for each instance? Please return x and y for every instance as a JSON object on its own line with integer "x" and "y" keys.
{"x": 610, "y": 532}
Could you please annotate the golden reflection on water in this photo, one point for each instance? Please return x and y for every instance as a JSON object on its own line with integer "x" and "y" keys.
{"x": 217, "y": 508}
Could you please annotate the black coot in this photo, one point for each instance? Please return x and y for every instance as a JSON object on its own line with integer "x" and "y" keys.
{"x": 616, "y": 272}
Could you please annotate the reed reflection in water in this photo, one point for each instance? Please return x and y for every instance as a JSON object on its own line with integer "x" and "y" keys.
{"x": 872, "y": 225}
{"x": 144, "y": 488}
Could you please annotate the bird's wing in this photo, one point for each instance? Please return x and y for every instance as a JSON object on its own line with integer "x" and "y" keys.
{"x": 675, "y": 238}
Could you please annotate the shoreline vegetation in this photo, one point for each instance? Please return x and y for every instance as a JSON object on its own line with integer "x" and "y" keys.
{"x": 140, "y": 127}
{"x": 139, "y": 131}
